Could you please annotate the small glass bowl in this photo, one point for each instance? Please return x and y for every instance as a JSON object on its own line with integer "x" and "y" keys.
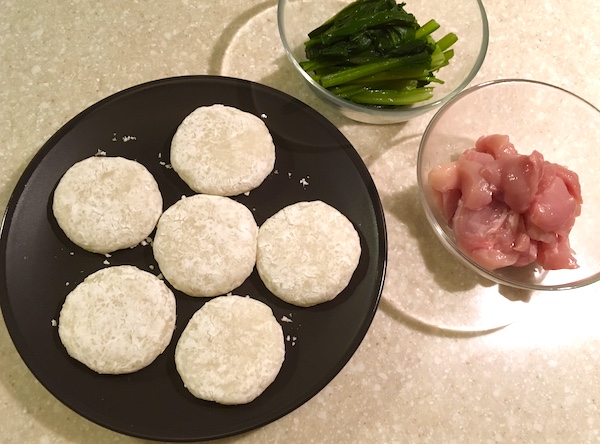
{"x": 536, "y": 116}
{"x": 466, "y": 18}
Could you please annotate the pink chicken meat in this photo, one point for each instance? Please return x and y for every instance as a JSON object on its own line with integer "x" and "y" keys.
{"x": 509, "y": 209}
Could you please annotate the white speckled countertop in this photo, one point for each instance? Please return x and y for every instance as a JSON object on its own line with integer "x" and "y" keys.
{"x": 419, "y": 376}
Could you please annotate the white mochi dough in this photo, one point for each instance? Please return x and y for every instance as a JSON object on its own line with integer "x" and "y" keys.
{"x": 104, "y": 204}
{"x": 118, "y": 320}
{"x": 231, "y": 350}
{"x": 307, "y": 253}
{"x": 206, "y": 245}
{"x": 222, "y": 150}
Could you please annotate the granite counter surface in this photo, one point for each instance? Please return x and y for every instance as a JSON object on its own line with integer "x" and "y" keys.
{"x": 449, "y": 358}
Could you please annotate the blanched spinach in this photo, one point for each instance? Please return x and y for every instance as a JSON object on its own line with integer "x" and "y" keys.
{"x": 373, "y": 52}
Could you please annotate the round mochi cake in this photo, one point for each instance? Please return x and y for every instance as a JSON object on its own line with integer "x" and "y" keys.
{"x": 206, "y": 245}
{"x": 307, "y": 253}
{"x": 104, "y": 204}
{"x": 231, "y": 350}
{"x": 118, "y": 320}
{"x": 222, "y": 150}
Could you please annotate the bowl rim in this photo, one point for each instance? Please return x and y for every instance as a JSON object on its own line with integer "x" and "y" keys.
{"x": 342, "y": 103}
{"x": 448, "y": 242}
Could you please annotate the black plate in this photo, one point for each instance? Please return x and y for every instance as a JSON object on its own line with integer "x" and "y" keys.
{"x": 39, "y": 265}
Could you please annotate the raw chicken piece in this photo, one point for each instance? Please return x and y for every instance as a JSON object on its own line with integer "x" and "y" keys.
{"x": 527, "y": 247}
{"x": 553, "y": 209}
{"x": 493, "y": 235}
{"x": 462, "y": 175}
{"x": 476, "y": 192}
{"x": 447, "y": 203}
{"x": 519, "y": 179}
{"x": 444, "y": 180}
{"x": 477, "y": 156}
{"x": 571, "y": 180}
{"x": 444, "y": 177}
{"x": 556, "y": 255}
{"x": 498, "y": 145}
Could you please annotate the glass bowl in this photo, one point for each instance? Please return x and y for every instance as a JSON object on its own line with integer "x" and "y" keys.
{"x": 466, "y": 18}
{"x": 563, "y": 127}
